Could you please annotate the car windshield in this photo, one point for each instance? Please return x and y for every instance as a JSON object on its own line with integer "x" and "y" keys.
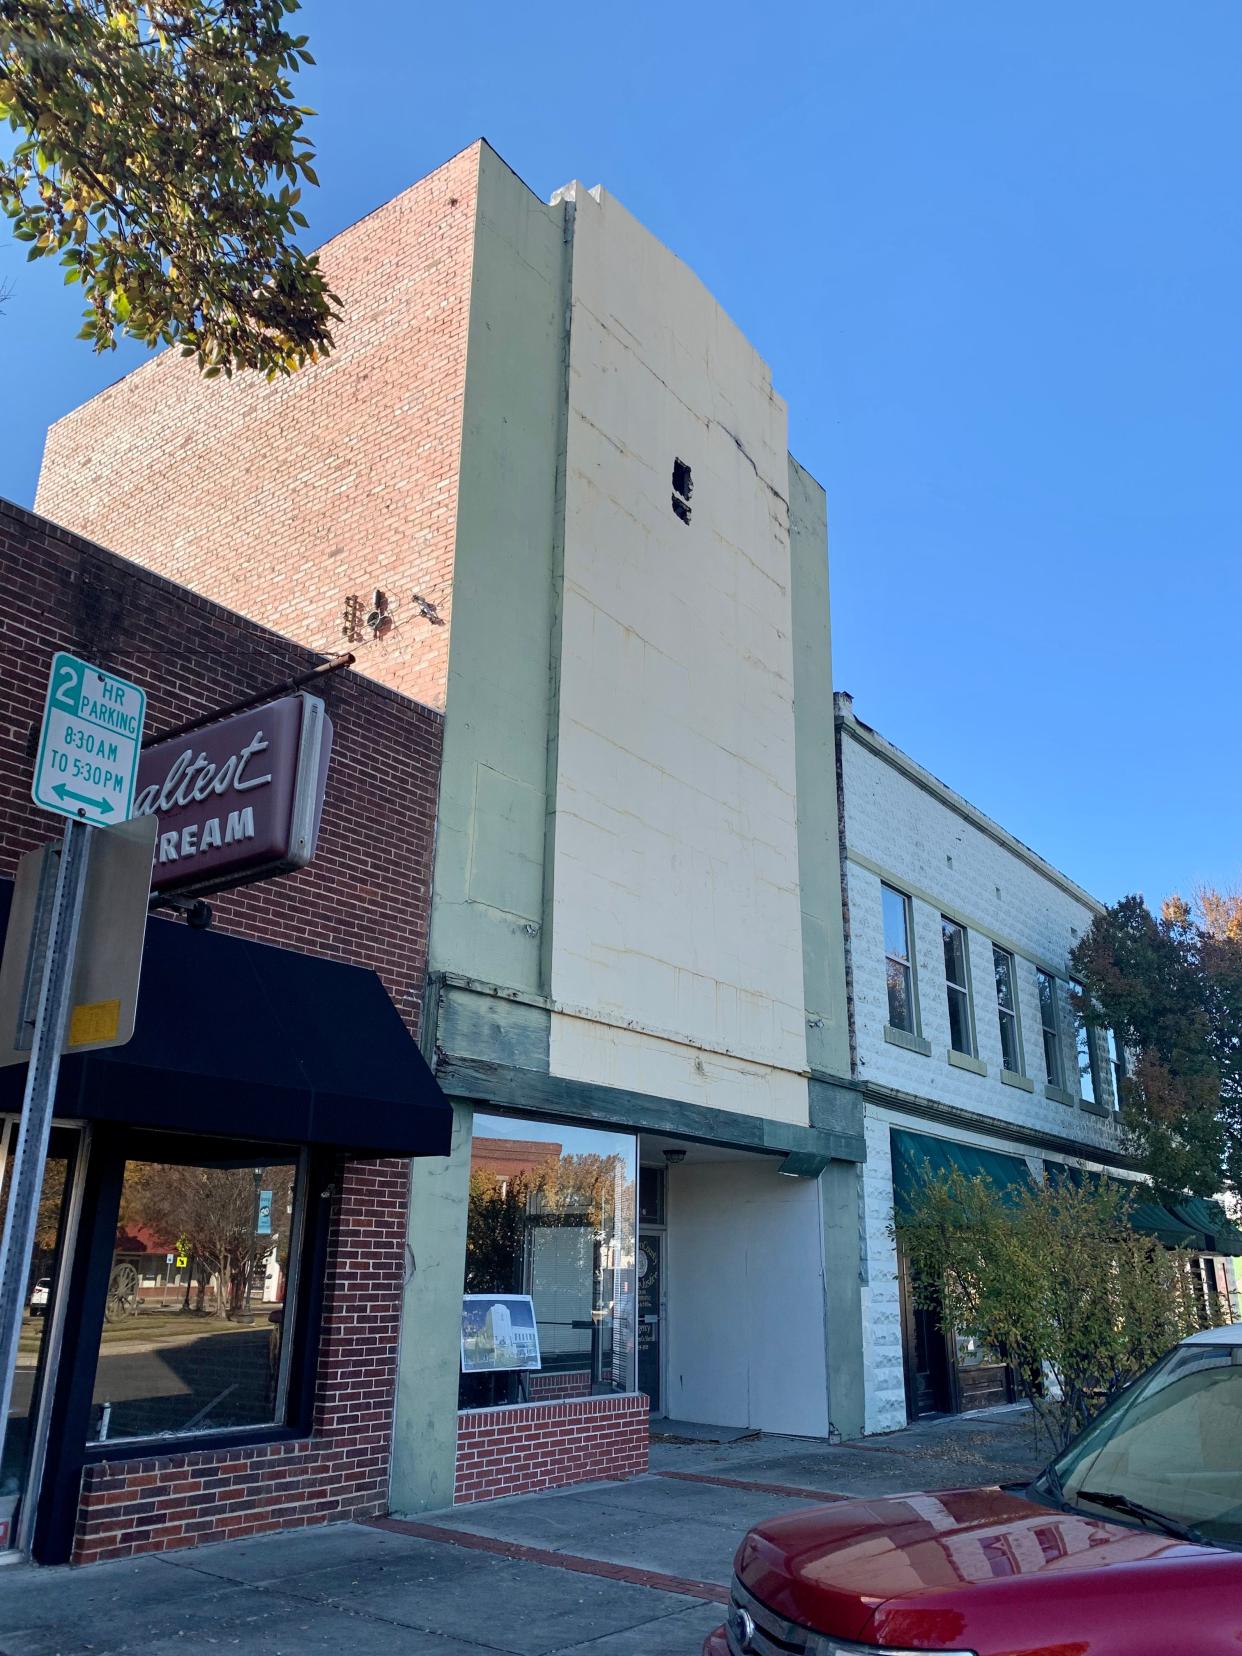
{"x": 1168, "y": 1452}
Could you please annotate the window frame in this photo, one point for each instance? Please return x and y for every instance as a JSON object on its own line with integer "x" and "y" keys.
{"x": 1116, "y": 1055}
{"x": 1085, "y": 1045}
{"x": 1051, "y": 1032}
{"x": 907, "y": 964}
{"x": 540, "y": 1118}
{"x": 1010, "y": 959}
{"x": 965, "y": 989}
{"x": 318, "y": 1177}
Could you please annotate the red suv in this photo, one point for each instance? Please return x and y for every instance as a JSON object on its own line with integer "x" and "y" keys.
{"x": 1129, "y": 1544}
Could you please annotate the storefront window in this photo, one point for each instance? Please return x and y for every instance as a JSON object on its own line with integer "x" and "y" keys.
{"x": 552, "y": 1216}
{"x": 195, "y": 1335}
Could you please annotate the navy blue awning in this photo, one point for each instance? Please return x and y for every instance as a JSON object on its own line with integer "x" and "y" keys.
{"x": 245, "y": 1040}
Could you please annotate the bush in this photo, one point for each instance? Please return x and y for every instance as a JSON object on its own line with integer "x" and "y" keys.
{"x": 1056, "y": 1280}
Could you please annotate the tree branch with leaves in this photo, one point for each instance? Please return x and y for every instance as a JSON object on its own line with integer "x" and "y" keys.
{"x": 159, "y": 154}
{"x": 1170, "y": 986}
{"x": 1055, "y": 1279}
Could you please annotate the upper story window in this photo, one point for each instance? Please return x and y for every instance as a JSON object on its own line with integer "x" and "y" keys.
{"x": 1084, "y": 1048}
{"x": 957, "y": 987}
{"x": 1007, "y": 1010}
{"x": 898, "y": 959}
{"x": 1050, "y": 1017}
{"x": 1117, "y": 1065}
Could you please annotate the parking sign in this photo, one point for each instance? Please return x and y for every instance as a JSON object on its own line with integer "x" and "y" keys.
{"x": 90, "y": 743}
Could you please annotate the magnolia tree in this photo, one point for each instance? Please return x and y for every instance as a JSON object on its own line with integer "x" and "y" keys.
{"x": 1055, "y": 1280}
{"x": 157, "y": 152}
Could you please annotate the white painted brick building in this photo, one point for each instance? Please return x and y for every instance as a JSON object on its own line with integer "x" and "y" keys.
{"x": 904, "y": 829}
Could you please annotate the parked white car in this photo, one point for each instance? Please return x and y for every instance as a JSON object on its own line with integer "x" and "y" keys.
{"x": 38, "y": 1299}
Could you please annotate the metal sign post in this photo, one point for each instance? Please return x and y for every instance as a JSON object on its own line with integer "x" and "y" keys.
{"x": 26, "y": 1179}
{"x": 87, "y": 765}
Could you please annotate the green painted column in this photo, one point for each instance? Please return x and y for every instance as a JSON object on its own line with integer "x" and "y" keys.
{"x": 843, "y": 1296}
{"x": 424, "y": 1451}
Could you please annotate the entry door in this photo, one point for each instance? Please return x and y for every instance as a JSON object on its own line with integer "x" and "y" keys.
{"x": 650, "y": 1284}
{"x": 928, "y": 1384}
{"x": 22, "y": 1453}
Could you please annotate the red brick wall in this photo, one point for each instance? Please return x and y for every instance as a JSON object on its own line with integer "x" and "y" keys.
{"x": 513, "y": 1451}
{"x": 542, "y": 1388}
{"x": 280, "y": 500}
{"x": 364, "y": 899}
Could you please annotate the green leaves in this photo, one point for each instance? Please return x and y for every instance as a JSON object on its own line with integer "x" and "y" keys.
{"x": 1171, "y": 989}
{"x": 151, "y": 141}
{"x": 1055, "y": 1279}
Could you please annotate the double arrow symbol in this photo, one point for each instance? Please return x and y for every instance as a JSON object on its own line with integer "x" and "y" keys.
{"x": 63, "y": 792}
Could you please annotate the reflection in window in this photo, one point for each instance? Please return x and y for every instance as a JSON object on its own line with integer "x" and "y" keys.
{"x": 1007, "y": 1011}
{"x": 1086, "y": 1058}
{"x": 552, "y": 1212}
{"x": 194, "y": 1336}
{"x": 898, "y": 961}
{"x": 957, "y": 985}
{"x": 1052, "y": 1028}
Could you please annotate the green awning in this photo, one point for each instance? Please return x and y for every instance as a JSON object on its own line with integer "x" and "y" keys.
{"x": 1205, "y": 1215}
{"x": 1191, "y": 1223}
{"x": 917, "y": 1158}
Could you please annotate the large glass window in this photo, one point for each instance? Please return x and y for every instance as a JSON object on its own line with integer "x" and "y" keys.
{"x": 552, "y": 1217}
{"x": 898, "y": 959}
{"x": 957, "y": 986}
{"x": 1050, "y": 1017}
{"x": 1007, "y": 1010}
{"x": 195, "y": 1335}
{"x": 1085, "y": 1054}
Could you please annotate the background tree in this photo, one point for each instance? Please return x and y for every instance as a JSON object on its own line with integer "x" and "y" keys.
{"x": 157, "y": 151}
{"x": 214, "y": 1210}
{"x": 1171, "y": 989}
{"x": 1055, "y": 1280}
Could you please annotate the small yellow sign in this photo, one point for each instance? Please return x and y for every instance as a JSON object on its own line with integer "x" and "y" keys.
{"x": 96, "y": 1021}
{"x": 182, "y": 1262}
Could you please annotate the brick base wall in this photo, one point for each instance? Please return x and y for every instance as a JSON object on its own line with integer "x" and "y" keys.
{"x": 514, "y": 1451}
{"x": 152, "y": 1505}
{"x": 544, "y": 1388}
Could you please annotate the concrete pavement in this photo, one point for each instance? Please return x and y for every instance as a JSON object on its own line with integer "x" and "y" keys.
{"x": 634, "y": 1568}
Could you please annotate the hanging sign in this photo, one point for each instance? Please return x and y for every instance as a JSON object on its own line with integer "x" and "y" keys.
{"x": 239, "y": 800}
{"x": 89, "y": 743}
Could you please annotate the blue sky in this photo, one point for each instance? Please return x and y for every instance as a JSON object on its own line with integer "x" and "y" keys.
{"x": 994, "y": 256}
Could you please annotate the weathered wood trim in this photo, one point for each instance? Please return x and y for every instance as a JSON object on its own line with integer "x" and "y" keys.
{"x": 508, "y": 1087}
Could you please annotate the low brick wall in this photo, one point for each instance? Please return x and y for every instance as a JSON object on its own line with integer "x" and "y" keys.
{"x": 152, "y": 1505}
{"x": 546, "y": 1388}
{"x": 514, "y": 1451}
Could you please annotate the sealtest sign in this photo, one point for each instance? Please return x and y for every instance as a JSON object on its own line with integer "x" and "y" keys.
{"x": 239, "y": 800}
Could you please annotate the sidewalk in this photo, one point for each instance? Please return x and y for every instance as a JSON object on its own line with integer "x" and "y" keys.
{"x": 638, "y": 1568}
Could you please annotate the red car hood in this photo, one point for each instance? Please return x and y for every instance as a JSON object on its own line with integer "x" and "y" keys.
{"x": 963, "y": 1567}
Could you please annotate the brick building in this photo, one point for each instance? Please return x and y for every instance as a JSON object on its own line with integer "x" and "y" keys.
{"x": 231, "y": 1429}
{"x": 544, "y": 482}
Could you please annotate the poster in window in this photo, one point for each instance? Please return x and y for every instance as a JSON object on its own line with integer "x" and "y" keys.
{"x": 498, "y": 1332}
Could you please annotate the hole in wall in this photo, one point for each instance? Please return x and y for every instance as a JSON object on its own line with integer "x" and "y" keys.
{"x": 683, "y": 488}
